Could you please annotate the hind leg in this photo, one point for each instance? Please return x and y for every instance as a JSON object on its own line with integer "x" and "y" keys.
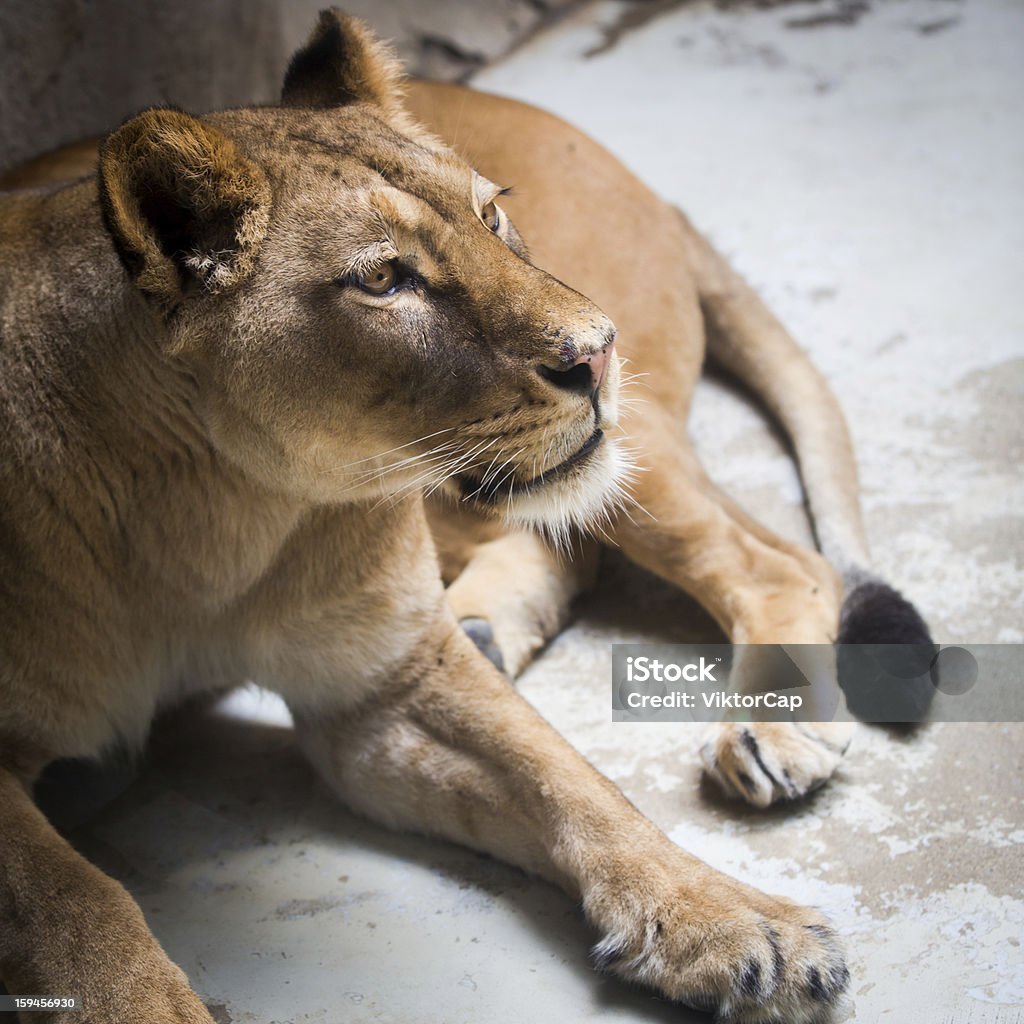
{"x": 510, "y": 591}
{"x": 515, "y": 594}
{"x": 761, "y": 589}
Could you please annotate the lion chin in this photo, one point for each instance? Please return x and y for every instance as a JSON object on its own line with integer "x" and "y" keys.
{"x": 579, "y": 495}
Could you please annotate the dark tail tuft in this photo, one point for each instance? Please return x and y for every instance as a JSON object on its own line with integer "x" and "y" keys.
{"x": 875, "y": 613}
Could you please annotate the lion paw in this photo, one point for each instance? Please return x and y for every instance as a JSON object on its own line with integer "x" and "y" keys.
{"x": 480, "y": 632}
{"x": 748, "y": 957}
{"x": 764, "y": 762}
{"x": 508, "y": 640}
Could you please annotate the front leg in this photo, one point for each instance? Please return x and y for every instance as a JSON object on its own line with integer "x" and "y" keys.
{"x": 67, "y": 929}
{"x": 447, "y": 747}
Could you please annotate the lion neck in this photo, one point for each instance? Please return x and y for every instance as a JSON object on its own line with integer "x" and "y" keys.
{"x": 109, "y": 462}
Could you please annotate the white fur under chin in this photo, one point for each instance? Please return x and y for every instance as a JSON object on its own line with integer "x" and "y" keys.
{"x": 584, "y": 500}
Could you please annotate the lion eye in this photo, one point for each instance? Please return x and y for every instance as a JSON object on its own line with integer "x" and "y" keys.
{"x": 491, "y": 216}
{"x": 380, "y": 280}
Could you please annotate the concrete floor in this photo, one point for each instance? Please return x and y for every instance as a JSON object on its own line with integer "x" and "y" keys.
{"x": 867, "y": 174}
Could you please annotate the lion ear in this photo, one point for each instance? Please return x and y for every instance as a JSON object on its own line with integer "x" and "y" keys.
{"x": 183, "y": 204}
{"x": 342, "y": 63}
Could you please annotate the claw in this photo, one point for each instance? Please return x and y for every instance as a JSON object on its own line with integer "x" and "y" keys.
{"x": 480, "y": 632}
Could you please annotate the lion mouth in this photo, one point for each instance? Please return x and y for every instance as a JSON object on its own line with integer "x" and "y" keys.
{"x": 489, "y": 492}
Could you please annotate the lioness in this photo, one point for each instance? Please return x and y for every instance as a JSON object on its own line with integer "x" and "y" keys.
{"x": 231, "y": 365}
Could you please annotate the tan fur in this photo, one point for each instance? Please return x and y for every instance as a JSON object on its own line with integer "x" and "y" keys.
{"x": 759, "y": 587}
{"x": 204, "y": 177}
{"x": 212, "y": 459}
{"x": 55, "y": 168}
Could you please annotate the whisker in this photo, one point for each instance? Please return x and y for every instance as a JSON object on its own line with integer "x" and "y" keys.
{"x": 376, "y": 474}
{"x": 510, "y": 473}
{"x": 397, "y": 448}
{"x": 367, "y": 480}
{"x": 465, "y": 463}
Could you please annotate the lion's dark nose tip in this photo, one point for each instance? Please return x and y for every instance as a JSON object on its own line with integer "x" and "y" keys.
{"x": 585, "y": 373}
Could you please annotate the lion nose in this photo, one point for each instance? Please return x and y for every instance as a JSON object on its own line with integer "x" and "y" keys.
{"x": 584, "y": 373}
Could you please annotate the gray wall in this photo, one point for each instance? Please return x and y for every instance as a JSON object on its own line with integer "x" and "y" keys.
{"x": 74, "y": 68}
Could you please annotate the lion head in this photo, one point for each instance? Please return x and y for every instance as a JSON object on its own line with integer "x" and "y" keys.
{"x": 358, "y": 316}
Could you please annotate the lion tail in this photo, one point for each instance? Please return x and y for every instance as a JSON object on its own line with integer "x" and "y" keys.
{"x": 748, "y": 341}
